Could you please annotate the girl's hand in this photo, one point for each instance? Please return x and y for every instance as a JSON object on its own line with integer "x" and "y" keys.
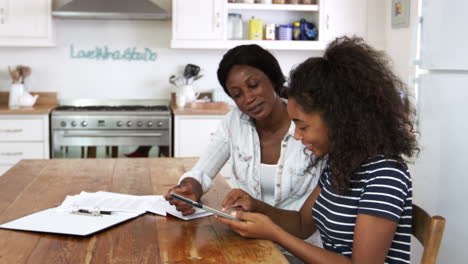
{"x": 255, "y": 225}
{"x": 239, "y": 200}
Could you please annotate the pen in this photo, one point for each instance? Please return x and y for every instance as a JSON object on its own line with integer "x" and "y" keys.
{"x": 94, "y": 212}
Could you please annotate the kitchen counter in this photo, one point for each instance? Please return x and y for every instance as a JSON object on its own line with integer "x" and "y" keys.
{"x": 46, "y": 102}
{"x": 210, "y": 108}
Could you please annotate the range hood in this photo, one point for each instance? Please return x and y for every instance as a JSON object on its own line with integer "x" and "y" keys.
{"x": 110, "y": 9}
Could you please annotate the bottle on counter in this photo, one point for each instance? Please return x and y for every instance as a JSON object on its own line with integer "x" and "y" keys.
{"x": 279, "y": 1}
{"x": 255, "y": 29}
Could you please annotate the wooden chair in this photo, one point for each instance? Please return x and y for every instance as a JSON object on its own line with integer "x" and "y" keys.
{"x": 428, "y": 230}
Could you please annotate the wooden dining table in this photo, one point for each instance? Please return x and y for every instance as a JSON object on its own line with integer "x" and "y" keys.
{"x": 34, "y": 185}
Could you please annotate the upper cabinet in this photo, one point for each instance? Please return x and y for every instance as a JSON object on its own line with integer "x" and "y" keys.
{"x": 26, "y": 23}
{"x": 204, "y": 24}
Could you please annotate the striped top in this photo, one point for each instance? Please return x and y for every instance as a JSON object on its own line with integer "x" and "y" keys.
{"x": 383, "y": 188}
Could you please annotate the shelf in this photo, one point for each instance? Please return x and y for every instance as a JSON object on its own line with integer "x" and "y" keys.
{"x": 274, "y": 7}
{"x": 267, "y": 44}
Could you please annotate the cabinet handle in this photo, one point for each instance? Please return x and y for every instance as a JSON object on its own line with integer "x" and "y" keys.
{"x": 327, "y": 22}
{"x": 2, "y": 15}
{"x": 218, "y": 22}
{"x": 18, "y": 130}
{"x": 11, "y": 154}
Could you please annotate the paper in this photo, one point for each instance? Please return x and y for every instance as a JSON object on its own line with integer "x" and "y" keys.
{"x": 59, "y": 222}
{"x": 63, "y": 220}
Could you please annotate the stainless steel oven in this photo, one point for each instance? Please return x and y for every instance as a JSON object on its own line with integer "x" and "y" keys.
{"x": 111, "y": 129}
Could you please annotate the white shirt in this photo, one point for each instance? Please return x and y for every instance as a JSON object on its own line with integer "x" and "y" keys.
{"x": 267, "y": 171}
{"x": 236, "y": 138}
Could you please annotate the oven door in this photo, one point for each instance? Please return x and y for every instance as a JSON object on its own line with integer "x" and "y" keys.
{"x": 110, "y": 143}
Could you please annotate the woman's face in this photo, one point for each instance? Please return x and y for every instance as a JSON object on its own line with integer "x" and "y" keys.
{"x": 251, "y": 90}
{"x": 310, "y": 129}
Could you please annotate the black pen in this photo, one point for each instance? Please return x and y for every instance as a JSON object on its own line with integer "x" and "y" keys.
{"x": 84, "y": 211}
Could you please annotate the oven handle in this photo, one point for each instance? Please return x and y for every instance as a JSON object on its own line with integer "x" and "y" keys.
{"x": 116, "y": 135}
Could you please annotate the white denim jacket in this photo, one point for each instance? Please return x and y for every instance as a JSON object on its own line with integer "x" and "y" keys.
{"x": 236, "y": 138}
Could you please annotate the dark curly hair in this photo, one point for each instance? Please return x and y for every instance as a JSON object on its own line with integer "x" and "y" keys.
{"x": 255, "y": 56}
{"x": 364, "y": 104}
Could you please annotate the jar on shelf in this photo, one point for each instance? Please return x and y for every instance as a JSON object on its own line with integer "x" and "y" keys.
{"x": 285, "y": 32}
{"x": 267, "y": 2}
{"x": 248, "y": 1}
{"x": 279, "y": 1}
{"x": 294, "y": 2}
{"x": 255, "y": 29}
{"x": 234, "y": 30}
{"x": 308, "y": 2}
{"x": 297, "y": 31}
{"x": 270, "y": 30}
{"x": 232, "y": 1}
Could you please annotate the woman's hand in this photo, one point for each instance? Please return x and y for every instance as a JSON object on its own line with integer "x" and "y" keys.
{"x": 255, "y": 225}
{"x": 189, "y": 188}
{"x": 239, "y": 200}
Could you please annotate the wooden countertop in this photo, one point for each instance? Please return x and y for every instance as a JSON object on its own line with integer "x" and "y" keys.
{"x": 34, "y": 185}
{"x": 210, "y": 108}
{"x": 44, "y": 104}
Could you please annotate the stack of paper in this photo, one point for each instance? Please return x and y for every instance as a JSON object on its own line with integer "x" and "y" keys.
{"x": 66, "y": 219}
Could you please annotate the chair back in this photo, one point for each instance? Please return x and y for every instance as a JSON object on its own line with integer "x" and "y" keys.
{"x": 428, "y": 230}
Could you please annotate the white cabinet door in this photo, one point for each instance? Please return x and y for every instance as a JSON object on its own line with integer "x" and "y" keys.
{"x": 444, "y": 38}
{"x": 11, "y": 153}
{"x": 25, "y": 23}
{"x": 343, "y": 17}
{"x": 198, "y": 19}
{"x": 192, "y": 134}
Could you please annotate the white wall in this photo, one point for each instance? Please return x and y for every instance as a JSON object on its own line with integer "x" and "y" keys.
{"x": 400, "y": 45}
{"x": 54, "y": 70}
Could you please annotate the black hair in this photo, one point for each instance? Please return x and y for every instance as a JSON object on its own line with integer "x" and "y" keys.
{"x": 255, "y": 56}
{"x": 359, "y": 98}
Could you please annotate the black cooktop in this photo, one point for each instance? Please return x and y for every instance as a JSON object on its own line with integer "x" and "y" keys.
{"x": 113, "y": 108}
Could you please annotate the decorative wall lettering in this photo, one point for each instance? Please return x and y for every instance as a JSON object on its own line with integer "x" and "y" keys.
{"x": 105, "y": 53}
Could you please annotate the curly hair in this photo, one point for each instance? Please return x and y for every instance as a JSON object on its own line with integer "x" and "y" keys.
{"x": 364, "y": 104}
{"x": 255, "y": 56}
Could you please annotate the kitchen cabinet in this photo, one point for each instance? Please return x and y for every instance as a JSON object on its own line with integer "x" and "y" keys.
{"x": 26, "y": 23}
{"x": 192, "y": 133}
{"x": 23, "y": 137}
{"x": 202, "y": 24}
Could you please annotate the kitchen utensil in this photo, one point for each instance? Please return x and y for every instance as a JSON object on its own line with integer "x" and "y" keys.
{"x": 190, "y": 70}
{"x": 14, "y": 74}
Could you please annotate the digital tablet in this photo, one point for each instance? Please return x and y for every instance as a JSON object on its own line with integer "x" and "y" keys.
{"x": 204, "y": 207}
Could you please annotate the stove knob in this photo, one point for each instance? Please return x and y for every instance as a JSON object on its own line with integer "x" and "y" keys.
{"x": 129, "y": 123}
{"x": 73, "y": 123}
{"x": 119, "y": 123}
{"x": 150, "y": 124}
{"x": 63, "y": 123}
{"x": 84, "y": 123}
{"x": 160, "y": 123}
{"x": 139, "y": 124}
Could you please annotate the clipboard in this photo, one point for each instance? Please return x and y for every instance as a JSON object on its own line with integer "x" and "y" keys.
{"x": 57, "y": 221}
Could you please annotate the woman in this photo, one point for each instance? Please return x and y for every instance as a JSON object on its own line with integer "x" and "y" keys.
{"x": 347, "y": 106}
{"x": 267, "y": 162}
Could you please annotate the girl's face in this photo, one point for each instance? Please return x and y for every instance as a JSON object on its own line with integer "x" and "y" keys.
{"x": 251, "y": 90}
{"x": 311, "y": 129}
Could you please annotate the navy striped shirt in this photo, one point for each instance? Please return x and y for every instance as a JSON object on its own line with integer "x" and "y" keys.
{"x": 383, "y": 188}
